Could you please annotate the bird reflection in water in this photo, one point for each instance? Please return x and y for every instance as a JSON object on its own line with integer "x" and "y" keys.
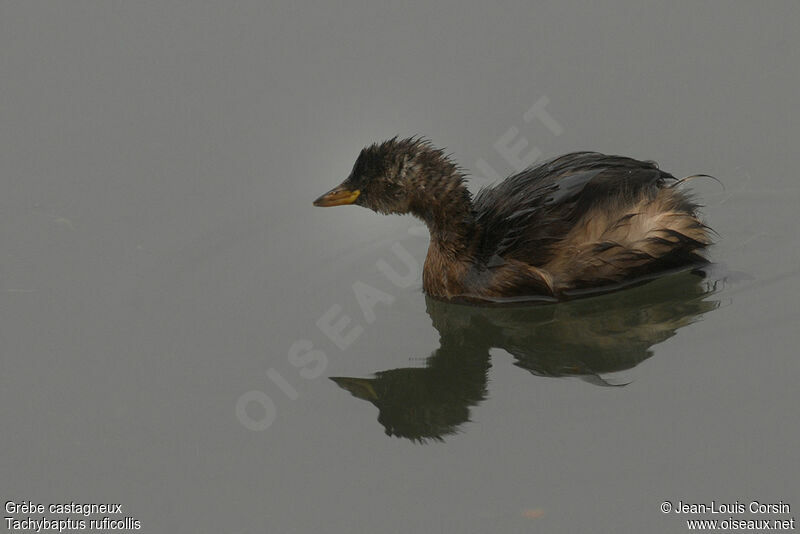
{"x": 585, "y": 338}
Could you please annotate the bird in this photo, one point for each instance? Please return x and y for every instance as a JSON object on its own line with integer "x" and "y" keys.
{"x": 578, "y": 223}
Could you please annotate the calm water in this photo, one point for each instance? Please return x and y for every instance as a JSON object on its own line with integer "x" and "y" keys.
{"x": 183, "y": 333}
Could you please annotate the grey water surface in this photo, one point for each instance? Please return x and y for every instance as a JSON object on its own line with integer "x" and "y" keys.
{"x": 181, "y": 331}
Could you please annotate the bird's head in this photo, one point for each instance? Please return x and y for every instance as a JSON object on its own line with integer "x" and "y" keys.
{"x": 390, "y": 177}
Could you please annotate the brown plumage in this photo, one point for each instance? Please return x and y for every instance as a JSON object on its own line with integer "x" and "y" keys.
{"x": 583, "y": 220}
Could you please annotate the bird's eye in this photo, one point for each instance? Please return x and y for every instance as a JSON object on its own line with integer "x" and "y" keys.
{"x": 392, "y": 189}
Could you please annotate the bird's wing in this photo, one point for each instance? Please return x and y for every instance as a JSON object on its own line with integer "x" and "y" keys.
{"x": 529, "y": 212}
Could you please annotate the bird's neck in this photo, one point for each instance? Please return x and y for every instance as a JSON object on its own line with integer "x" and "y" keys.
{"x": 444, "y": 204}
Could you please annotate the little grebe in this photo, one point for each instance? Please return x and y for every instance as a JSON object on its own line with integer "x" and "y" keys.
{"x": 580, "y": 221}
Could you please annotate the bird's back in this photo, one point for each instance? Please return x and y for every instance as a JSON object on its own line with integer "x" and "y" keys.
{"x": 587, "y": 219}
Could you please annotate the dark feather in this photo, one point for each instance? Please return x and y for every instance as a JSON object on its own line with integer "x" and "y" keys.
{"x": 528, "y": 213}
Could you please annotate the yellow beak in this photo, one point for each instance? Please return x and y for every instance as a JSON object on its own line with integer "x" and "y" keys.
{"x": 358, "y": 387}
{"x": 338, "y": 196}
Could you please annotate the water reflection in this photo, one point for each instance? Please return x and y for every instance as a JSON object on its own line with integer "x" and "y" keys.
{"x": 584, "y": 338}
